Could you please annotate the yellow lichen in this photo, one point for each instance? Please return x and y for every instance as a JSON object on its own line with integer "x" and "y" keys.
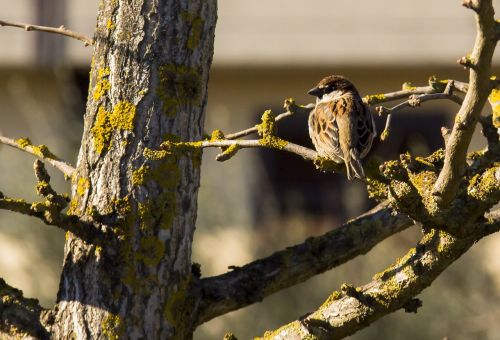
{"x": 287, "y": 331}
{"x": 267, "y": 130}
{"x": 154, "y": 155}
{"x": 268, "y": 125}
{"x": 333, "y": 297}
{"x": 139, "y": 175}
{"x": 42, "y": 188}
{"x": 485, "y": 187}
{"x": 384, "y": 135}
{"x": 494, "y": 100}
{"x": 101, "y": 88}
{"x": 120, "y": 119}
{"x": 101, "y": 130}
{"x": 273, "y": 142}
{"x": 82, "y": 186}
{"x": 438, "y": 84}
{"x": 39, "y": 150}
{"x": 229, "y": 336}
{"x": 325, "y": 164}
{"x": 408, "y": 86}
{"x": 216, "y": 135}
{"x": 110, "y": 25}
{"x": 103, "y": 85}
{"x": 112, "y": 327}
{"x": 43, "y": 151}
{"x": 228, "y": 152}
{"x": 376, "y": 189}
{"x": 374, "y": 99}
{"x": 23, "y": 142}
{"x": 103, "y": 72}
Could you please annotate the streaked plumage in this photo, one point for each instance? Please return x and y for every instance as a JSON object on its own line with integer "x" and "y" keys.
{"x": 341, "y": 126}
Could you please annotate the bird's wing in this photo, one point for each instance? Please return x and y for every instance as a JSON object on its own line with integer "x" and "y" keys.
{"x": 324, "y": 131}
{"x": 347, "y": 112}
{"x": 366, "y": 131}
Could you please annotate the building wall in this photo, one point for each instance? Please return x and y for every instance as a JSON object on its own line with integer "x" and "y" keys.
{"x": 284, "y": 32}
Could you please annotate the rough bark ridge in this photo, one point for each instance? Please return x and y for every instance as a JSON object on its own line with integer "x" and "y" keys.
{"x": 148, "y": 84}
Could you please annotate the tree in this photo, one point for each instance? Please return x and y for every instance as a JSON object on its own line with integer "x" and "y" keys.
{"x": 131, "y": 217}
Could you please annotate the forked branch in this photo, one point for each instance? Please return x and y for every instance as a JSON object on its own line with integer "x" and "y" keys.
{"x": 352, "y": 309}
{"x": 479, "y": 63}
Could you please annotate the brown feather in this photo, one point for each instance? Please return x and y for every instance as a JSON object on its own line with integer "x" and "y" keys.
{"x": 342, "y": 129}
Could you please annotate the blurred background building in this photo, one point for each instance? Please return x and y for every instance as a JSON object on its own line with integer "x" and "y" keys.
{"x": 260, "y": 201}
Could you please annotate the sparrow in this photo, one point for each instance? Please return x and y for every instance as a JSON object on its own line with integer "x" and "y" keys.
{"x": 341, "y": 126}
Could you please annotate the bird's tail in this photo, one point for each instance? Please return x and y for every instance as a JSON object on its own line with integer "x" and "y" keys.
{"x": 353, "y": 165}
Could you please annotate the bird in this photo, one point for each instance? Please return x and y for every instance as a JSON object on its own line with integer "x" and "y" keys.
{"x": 341, "y": 126}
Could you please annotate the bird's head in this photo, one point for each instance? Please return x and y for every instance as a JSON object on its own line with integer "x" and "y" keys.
{"x": 332, "y": 86}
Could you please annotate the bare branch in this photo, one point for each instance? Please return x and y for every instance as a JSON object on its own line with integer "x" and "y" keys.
{"x": 59, "y": 30}
{"x": 435, "y": 86}
{"x": 291, "y": 109}
{"x": 40, "y": 151}
{"x": 305, "y": 153}
{"x": 230, "y": 145}
{"x": 253, "y": 282}
{"x": 352, "y": 309}
{"x": 414, "y": 101}
{"x": 20, "y": 317}
{"x": 50, "y": 213}
{"x": 44, "y": 189}
{"x": 50, "y": 210}
{"x": 437, "y": 89}
{"x": 448, "y": 181}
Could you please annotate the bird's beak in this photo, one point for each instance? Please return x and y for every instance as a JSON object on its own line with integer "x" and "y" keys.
{"x": 315, "y": 92}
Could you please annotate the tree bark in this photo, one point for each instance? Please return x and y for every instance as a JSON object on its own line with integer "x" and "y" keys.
{"x": 148, "y": 84}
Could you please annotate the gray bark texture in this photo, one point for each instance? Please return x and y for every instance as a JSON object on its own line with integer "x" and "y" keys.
{"x": 127, "y": 271}
{"x": 148, "y": 84}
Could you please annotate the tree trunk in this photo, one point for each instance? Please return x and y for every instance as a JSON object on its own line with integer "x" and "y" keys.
{"x": 148, "y": 85}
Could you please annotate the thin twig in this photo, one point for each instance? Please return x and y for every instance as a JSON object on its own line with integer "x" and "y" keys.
{"x": 40, "y": 151}
{"x": 434, "y": 87}
{"x": 56, "y": 30}
{"x": 291, "y": 108}
{"x": 413, "y": 101}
